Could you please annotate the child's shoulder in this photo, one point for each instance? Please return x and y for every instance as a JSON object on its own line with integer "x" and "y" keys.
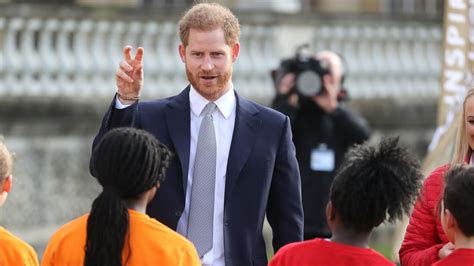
{"x": 12, "y": 248}
{"x": 9, "y": 239}
{"x": 73, "y": 229}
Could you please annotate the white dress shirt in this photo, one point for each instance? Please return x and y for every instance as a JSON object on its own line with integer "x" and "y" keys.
{"x": 224, "y": 121}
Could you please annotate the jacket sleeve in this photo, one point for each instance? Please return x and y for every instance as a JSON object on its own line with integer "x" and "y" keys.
{"x": 284, "y": 209}
{"x": 422, "y": 242}
{"x": 114, "y": 118}
{"x": 354, "y": 127}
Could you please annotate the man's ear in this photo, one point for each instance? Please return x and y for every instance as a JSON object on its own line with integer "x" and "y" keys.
{"x": 7, "y": 184}
{"x": 235, "y": 51}
{"x": 182, "y": 52}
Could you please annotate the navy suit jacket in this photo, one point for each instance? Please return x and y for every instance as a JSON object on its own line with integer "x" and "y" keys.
{"x": 262, "y": 172}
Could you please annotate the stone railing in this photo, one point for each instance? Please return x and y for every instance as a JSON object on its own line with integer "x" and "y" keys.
{"x": 78, "y": 58}
{"x": 387, "y": 60}
{"x": 57, "y": 57}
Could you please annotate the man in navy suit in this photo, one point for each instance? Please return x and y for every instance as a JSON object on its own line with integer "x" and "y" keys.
{"x": 256, "y": 171}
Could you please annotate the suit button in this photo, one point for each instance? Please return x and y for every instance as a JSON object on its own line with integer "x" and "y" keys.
{"x": 178, "y": 213}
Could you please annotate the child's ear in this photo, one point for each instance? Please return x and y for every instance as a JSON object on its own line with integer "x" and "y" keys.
{"x": 450, "y": 220}
{"x": 330, "y": 213}
{"x": 7, "y": 184}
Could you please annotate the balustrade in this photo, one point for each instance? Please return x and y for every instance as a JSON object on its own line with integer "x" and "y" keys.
{"x": 54, "y": 57}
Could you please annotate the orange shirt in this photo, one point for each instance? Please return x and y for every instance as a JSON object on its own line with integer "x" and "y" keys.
{"x": 151, "y": 243}
{"x": 14, "y": 251}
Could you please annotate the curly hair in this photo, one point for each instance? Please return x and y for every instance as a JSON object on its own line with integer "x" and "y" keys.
{"x": 459, "y": 195}
{"x": 374, "y": 182}
{"x": 127, "y": 163}
{"x": 210, "y": 16}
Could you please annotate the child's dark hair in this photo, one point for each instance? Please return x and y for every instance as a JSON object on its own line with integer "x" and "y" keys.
{"x": 127, "y": 162}
{"x": 459, "y": 196}
{"x": 372, "y": 182}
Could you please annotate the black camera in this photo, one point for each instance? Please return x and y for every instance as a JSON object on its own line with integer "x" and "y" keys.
{"x": 308, "y": 72}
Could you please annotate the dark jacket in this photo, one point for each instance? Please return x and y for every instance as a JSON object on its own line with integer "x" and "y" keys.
{"x": 315, "y": 132}
{"x": 262, "y": 173}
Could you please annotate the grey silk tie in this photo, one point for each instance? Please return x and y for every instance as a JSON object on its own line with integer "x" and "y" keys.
{"x": 201, "y": 210}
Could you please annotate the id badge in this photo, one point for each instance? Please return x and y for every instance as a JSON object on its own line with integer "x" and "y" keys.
{"x": 322, "y": 159}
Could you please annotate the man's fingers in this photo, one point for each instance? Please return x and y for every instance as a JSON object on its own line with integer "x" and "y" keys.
{"x": 119, "y": 73}
{"x": 138, "y": 70}
{"x": 139, "y": 55}
{"x": 125, "y": 66}
{"x": 127, "y": 53}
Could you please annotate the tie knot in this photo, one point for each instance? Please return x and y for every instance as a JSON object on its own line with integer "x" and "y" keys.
{"x": 209, "y": 108}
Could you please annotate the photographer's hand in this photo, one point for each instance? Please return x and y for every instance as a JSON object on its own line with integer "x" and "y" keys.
{"x": 328, "y": 100}
{"x": 285, "y": 86}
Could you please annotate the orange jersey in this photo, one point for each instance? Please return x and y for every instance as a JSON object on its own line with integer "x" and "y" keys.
{"x": 150, "y": 243}
{"x": 14, "y": 251}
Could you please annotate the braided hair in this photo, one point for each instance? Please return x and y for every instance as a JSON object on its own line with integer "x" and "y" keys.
{"x": 127, "y": 162}
{"x": 373, "y": 182}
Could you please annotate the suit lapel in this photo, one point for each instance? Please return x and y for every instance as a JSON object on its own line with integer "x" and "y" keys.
{"x": 243, "y": 139}
{"x": 178, "y": 120}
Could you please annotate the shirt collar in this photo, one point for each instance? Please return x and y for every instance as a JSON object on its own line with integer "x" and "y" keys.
{"x": 225, "y": 104}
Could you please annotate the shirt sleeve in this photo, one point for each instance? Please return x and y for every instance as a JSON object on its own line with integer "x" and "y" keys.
{"x": 120, "y": 105}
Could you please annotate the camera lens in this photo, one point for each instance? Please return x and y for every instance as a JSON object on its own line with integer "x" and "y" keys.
{"x": 308, "y": 83}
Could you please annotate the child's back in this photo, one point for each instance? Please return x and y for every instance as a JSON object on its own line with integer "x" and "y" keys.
{"x": 371, "y": 186}
{"x": 129, "y": 164}
{"x": 324, "y": 252}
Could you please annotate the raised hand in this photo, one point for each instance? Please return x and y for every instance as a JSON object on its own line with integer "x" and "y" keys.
{"x": 129, "y": 75}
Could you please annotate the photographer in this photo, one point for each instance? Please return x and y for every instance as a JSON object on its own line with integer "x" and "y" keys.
{"x": 309, "y": 91}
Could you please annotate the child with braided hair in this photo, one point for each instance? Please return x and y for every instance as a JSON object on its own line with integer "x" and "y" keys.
{"x": 129, "y": 164}
{"x": 371, "y": 186}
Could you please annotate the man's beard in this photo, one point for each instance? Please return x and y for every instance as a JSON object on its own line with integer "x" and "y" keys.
{"x": 210, "y": 92}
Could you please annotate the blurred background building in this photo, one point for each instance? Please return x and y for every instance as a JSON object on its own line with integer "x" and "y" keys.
{"x": 58, "y": 59}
